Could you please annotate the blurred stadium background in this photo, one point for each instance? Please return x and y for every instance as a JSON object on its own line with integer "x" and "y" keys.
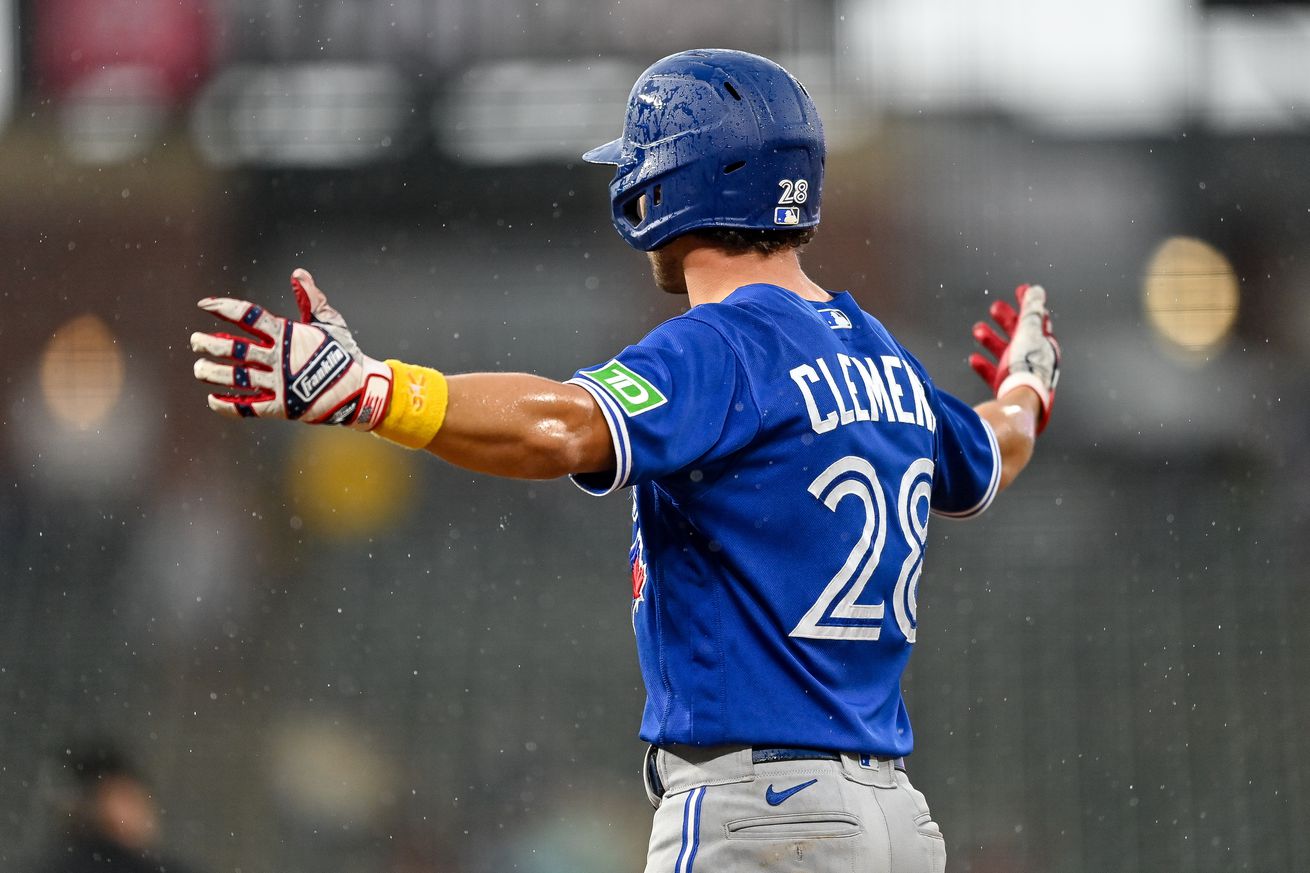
{"x": 331, "y": 656}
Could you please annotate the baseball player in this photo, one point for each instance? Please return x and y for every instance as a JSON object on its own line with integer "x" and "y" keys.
{"x": 783, "y": 451}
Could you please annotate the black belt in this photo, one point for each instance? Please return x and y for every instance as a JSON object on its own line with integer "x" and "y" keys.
{"x": 772, "y": 755}
{"x": 768, "y": 756}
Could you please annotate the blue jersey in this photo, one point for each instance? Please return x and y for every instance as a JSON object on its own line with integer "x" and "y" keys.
{"x": 784, "y": 456}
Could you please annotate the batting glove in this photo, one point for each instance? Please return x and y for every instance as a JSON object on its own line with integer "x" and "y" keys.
{"x": 309, "y": 370}
{"x": 1031, "y": 355}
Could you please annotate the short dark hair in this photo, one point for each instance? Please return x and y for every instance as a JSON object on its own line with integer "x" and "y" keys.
{"x": 767, "y": 241}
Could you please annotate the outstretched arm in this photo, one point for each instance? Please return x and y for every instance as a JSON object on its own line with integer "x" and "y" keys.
{"x": 1024, "y": 375}
{"x": 311, "y": 370}
{"x": 527, "y": 427}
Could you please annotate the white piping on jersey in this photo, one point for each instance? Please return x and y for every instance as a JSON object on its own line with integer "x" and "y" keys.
{"x": 992, "y": 487}
{"x": 618, "y": 433}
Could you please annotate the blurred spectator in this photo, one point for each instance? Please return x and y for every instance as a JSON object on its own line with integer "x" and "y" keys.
{"x": 109, "y": 821}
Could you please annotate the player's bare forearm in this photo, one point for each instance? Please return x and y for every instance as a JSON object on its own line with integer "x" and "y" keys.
{"x": 1014, "y": 420}
{"x": 522, "y": 426}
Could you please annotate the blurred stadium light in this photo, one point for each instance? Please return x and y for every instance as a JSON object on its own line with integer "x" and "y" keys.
{"x": 344, "y": 488}
{"x": 74, "y": 425}
{"x": 510, "y": 112}
{"x": 75, "y": 38}
{"x": 329, "y": 777}
{"x": 115, "y": 68}
{"x": 1191, "y": 296}
{"x": 449, "y": 36}
{"x": 82, "y": 372}
{"x": 113, "y": 114}
{"x": 1112, "y": 66}
{"x": 304, "y": 115}
{"x": 1104, "y": 69}
{"x": 1258, "y": 76}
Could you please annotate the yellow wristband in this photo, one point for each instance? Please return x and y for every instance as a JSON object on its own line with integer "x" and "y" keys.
{"x": 418, "y": 405}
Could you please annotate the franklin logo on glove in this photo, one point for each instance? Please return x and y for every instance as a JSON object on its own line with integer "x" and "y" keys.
{"x": 329, "y": 363}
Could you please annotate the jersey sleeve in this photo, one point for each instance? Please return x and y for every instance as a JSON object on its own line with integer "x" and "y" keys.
{"x": 968, "y": 465}
{"x": 677, "y": 398}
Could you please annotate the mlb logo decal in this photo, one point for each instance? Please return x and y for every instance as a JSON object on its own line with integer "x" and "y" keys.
{"x": 837, "y": 320}
{"x": 786, "y": 215}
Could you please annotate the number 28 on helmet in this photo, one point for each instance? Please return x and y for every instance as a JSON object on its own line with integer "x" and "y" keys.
{"x": 714, "y": 138}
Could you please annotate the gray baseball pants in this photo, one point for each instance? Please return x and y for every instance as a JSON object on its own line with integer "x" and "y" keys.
{"x": 718, "y": 811}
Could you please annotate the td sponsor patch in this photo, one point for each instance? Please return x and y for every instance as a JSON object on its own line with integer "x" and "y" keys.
{"x": 634, "y": 394}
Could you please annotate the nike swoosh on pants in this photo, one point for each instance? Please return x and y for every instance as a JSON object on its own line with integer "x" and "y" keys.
{"x": 774, "y": 798}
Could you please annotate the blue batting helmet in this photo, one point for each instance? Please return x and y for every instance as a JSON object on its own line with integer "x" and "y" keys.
{"x": 714, "y": 138}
